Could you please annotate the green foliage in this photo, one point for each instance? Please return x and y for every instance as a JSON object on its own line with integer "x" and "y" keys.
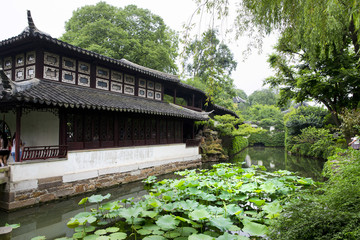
{"x": 268, "y": 138}
{"x": 209, "y": 64}
{"x": 203, "y": 204}
{"x": 304, "y": 117}
{"x": 238, "y": 144}
{"x": 332, "y": 213}
{"x": 228, "y": 125}
{"x": 313, "y": 142}
{"x": 265, "y": 116}
{"x": 132, "y": 33}
{"x": 350, "y": 124}
{"x": 263, "y": 97}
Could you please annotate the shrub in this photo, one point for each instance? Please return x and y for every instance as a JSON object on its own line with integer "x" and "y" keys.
{"x": 313, "y": 142}
{"x": 329, "y": 213}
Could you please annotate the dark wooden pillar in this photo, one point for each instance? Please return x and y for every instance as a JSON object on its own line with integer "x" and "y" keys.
{"x": 193, "y": 100}
{"x": 18, "y": 132}
{"x": 174, "y": 95}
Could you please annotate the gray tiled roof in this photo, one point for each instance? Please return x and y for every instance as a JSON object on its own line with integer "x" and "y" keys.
{"x": 71, "y": 96}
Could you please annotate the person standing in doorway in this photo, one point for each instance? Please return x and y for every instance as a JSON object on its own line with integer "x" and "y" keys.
{"x": 4, "y": 149}
{"x": 13, "y": 147}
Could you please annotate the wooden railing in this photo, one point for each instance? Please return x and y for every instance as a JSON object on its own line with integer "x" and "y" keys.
{"x": 44, "y": 152}
{"x": 193, "y": 142}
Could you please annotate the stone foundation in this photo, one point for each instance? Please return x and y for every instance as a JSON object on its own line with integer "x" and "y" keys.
{"x": 54, "y": 188}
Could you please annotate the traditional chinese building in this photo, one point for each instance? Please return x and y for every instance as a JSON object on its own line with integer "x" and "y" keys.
{"x": 89, "y": 121}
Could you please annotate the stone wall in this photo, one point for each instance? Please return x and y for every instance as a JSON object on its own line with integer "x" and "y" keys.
{"x": 35, "y": 182}
{"x": 54, "y": 188}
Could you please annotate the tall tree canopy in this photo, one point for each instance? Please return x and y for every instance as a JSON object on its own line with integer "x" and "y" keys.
{"x": 210, "y": 62}
{"x": 264, "y": 97}
{"x": 132, "y": 33}
{"x": 318, "y": 26}
{"x": 318, "y": 50}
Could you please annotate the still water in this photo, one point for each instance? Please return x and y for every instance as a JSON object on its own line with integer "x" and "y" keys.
{"x": 50, "y": 219}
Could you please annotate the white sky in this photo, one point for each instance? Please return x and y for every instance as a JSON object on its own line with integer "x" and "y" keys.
{"x": 50, "y": 16}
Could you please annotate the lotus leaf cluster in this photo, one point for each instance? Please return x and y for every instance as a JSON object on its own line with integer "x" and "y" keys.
{"x": 225, "y": 202}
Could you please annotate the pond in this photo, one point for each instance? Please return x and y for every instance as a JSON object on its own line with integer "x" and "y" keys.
{"x": 50, "y": 219}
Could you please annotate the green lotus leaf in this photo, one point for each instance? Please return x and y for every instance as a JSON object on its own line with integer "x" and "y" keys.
{"x": 200, "y": 237}
{"x": 98, "y": 198}
{"x": 101, "y": 232}
{"x": 167, "y": 222}
{"x": 118, "y": 236}
{"x": 150, "y": 214}
{"x": 154, "y": 237}
{"x": 78, "y": 235}
{"x": 112, "y": 229}
{"x": 91, "y": 237}
{"x": 39, "y": 238}
{"x": 199, "y": 214}
{"x": 86, "y": 228}
{"x": 172, "y": 234}
{"x": 188, "y": 205}
{"x": 224, "y": 224}
{"x": 227, "y": 236}
{"x": 103, "y": 238}
{"x": 111, "y": 206}
{"x": 186, "y": 231}
{"x": 73, "y": 223}
{"x": 257, "y": 201}
{"x": 254, "y": 229}
{"x": 234, "y": 209}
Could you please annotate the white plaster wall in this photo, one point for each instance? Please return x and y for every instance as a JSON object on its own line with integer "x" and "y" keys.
{"x": 92, "y": 163}
{"x": 37, "y": 128}
{"x": 40, "y": 129}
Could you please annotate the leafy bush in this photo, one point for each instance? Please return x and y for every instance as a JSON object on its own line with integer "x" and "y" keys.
{"x": 238, "y": 144}
{"x": 269, "y": 139}
{"x": 313, "y": 142}
{"x": 304, "y": 117}
{"x": 330, "y": 213}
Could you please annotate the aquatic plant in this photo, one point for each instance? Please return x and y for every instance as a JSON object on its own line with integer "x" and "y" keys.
{"x": 226, "y": 202}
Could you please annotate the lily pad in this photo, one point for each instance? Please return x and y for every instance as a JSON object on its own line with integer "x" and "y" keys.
{"x": 167, "y": 222}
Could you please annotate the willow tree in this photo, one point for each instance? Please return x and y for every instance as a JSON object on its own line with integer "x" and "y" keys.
{"x": 317, "y": 55}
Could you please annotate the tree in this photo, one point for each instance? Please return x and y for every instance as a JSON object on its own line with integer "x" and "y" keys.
{"x": 334, "y": 82}
{"x": 210, "y": 63}
{"x": 264, "y": 97}
{"x": 132, "y": 33}
{"x": 320, "y": 27}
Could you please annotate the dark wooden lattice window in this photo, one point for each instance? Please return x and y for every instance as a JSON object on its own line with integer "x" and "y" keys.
{"x": 79, "y": 128}
{"x": 107, "y": 128}
{"x": 121, "y": 126}
{"x": 70, "y": 127}
{"x": 170, "y": 129}
{"x": 153, "y": 129}
{"x": 128, "y": 129}
{"x": 136, "y": 129}
{"x": 163, "y": 129}
{"x": 88, "y": 128}
{"x": 96, "y": 132}
{"x": 178, "y": 129}
{"x": 148, "y": 129}
{"x": 141, "y": 129}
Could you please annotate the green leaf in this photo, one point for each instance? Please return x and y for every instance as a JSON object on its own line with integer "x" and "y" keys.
{"x": 273, "y": 209}
{"x": 227, "y": 236}
{"x": 39, "y": 238}
{"x": 79, "y": 235}
{"x": 13, "y": 226}
{"x": 257, "y": 201}
{"x": 73, "y": 223}
{"x": 83, "y": 201}
{"x": 167, "y": 222}
{"x": 200, "y": 237}
{"x": 91, "y": 237}
{"x": 112, "y": 229}
{"x": 224, "y": 224}
{"x": 254, "y": 229}
{"x": 186, "y": 231}
{"x": 101, "y": 232}
{"x": 233, "y": 209}
{"x": 199, "y": 214}
{"x": 98, "y": 198}
{"x": 172, "y": 234}
{"x": 154, "y": 237}
{"x": 150, "y": 214}
{"x": 118, "y": 236}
